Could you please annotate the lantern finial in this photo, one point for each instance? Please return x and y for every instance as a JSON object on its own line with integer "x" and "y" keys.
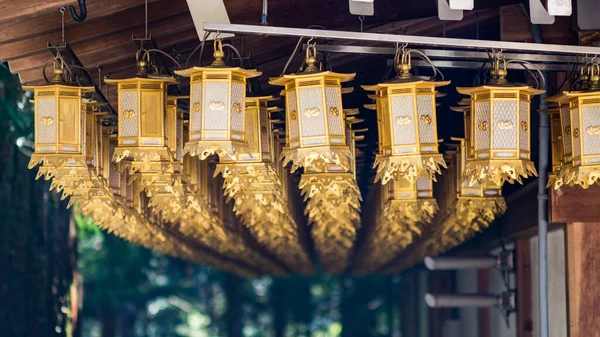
{"x": 218, "y": 54}
{"x": 311, "y": 59}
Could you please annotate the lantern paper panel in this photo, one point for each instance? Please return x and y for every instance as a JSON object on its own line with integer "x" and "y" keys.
{"x": 315, "y": 126}
{"x": 408, "y": 142}
{"x": 500, "y": 121}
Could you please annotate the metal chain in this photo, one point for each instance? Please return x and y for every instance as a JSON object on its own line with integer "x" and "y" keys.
{"x": 62, "y": 14}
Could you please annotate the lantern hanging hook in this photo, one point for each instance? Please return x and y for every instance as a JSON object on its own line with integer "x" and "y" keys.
{"x": 146, "y": 36}
{"x": 82, "y": 8}
{"x": 63, "y": 43}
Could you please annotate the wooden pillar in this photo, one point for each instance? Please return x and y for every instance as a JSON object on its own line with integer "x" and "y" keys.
{"x": 583, "y": 261}
{"x": 580, "y": 209}
{"x": 523, "y": 273}
{"x": 484, "y": 313}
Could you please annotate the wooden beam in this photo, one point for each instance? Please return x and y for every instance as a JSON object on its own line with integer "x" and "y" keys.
{"x": 107, "y": 44}
{"x": 122, "y": 21}
{"x": 49, "y": 21}
{"x": 11, "y": 11}
{"x": 335, "y": 14}
{"x": 583, "y": 240}
{"x": 574, "y": 204}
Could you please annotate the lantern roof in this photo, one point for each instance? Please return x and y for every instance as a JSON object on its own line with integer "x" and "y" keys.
{"x": 586, "y": 93}
{"x": 262, "y": 98}
{"x": 58, "y": 85}
{"x": 285, "y": 78}
{"x": 168, "y": 80}
{"x": 409, "y": 82}
{"x": 249, "y": 73}
{"x": 499, "y": 87}
{"x": 460, "y": 108}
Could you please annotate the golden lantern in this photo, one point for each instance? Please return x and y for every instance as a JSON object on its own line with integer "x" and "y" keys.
{"x": 478, "y": 203}
{"x": 557, "y": 147}
{"x": 315, "y": 127}
{"x": 500, "y": 128}
{"x": 217, "y": 105}
{"x": 174, "y": 124}
{"x": 60, "y": 124}
{"x": 252, "y": 181}
{"x": 142, "y": 119}
{"x": 316, "y": 139}
{"x": 406, "y": 114}
{"x": 581, "y": 133}
{"x": 405, "y": 207}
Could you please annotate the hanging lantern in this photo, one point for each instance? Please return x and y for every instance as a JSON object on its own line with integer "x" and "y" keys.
{"x": 479, "y": 203}
{"x": 406, "y": 207}
{"x": 581, "y": 133}
{"x": 60, "y": 132}
{"x": 142, "y": 118}
{"x": 406, "y": 114}
{"x": 557, "y": 147}
{"x": 174, "y": 121}
{"x": 500, "y": 124}
{"x": 217, "y": 104}
{"x": 315, "y": 129}
{"x": 252, "y": 181}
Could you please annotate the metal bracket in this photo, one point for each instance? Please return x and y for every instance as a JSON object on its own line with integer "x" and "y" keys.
{"x": 538, "y": 13}
{"x": 446, "y": 13}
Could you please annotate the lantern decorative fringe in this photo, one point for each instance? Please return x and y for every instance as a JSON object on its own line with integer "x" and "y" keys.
{"x": 260, "y": 202}
{"x": 333, "y": 206}
{"x": 405, "y": 208}
{"x": 500, "y": 128}
{"x": 217, "y": 108}
{"x": 407, "y": 124}
{"x": 580, "y": 120}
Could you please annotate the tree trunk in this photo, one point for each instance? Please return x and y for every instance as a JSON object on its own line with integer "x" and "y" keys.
{"x": 277, "y": 299}
{"x": 109, "y": 324}
{"x": 34, "y": 250}
{"x": 233, "y": 316}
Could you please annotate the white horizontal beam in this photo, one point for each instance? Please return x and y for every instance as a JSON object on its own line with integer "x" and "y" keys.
{"x": 464, "y": 262}
{"x": 461, "y": 301}
{"x": 409, "y": 39}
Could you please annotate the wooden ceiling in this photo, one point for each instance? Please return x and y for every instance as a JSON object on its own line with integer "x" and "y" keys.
{"x": 104, "y": 38}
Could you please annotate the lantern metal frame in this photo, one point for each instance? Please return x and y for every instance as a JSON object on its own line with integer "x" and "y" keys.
{"x": 407, "y": 123}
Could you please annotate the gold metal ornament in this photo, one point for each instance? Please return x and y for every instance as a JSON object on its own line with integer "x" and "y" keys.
{"x": 60, "y": 128}
{"x": 406, "y": 114}
{"x": 317, "y": 140}
{"x": 314, "y": 139}
{"x": 217, "y": 97}
{"x": 501, "y": 150}
{"x": 580, "y": 114}
{"x": 256, "y": 187}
